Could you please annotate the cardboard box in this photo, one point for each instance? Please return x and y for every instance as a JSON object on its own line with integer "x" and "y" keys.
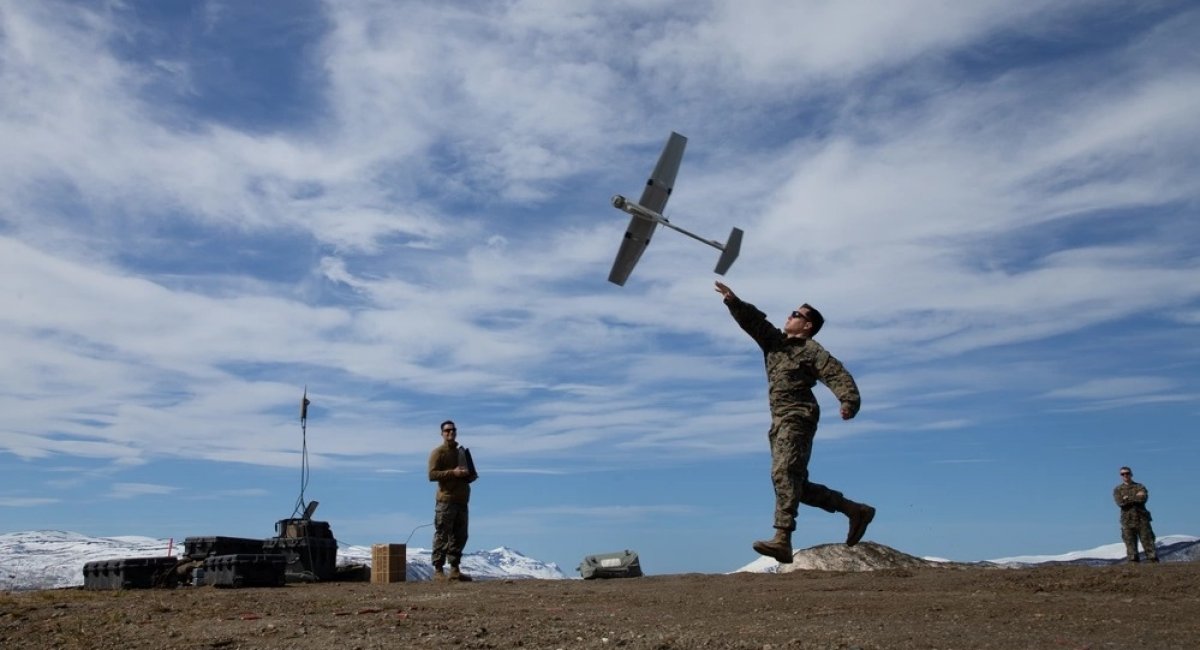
{"x": 389, "y": 563}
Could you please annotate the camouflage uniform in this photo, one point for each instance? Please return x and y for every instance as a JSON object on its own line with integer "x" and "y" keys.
{"x": 450, "y": 513}
{"x": 794, "y": 365}
{"x": 1135, "y": 520}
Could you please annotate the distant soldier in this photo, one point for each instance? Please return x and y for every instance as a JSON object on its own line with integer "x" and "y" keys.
{"x": 449, "y": 465}
{"x": 795, "y": 363}
{"x": 1135, "y": 518}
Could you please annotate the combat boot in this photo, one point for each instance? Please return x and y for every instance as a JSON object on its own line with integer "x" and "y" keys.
{"x": 438, "y": 574}
{"x": 779, "y": 548}
{"x": 860, "y": 515}
{"x": 459, "y": 576}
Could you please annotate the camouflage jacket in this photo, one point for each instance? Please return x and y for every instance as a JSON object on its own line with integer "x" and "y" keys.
{"x": 1131, "y": 498}
{"x": 451, "y": 489}
{"x": 794, "y": 366}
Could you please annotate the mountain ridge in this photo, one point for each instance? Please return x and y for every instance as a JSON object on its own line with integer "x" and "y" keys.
{"x": 49, "y": 559}
{"x": 872, "y": 556}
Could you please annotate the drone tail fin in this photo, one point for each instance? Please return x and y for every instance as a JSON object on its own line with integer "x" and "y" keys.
{"x": 733, "y": 246}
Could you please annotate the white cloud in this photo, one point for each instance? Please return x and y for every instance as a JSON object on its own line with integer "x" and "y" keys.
{"x": 993, "y": 204}
{"x": 1114, "y": 387}
{"x": 765, "y": 44}
{"x": 610, "y": 513}
{"x": 133, "y": 490}
{"x": 453, "y": 236}
{"x": 26, "y": 502}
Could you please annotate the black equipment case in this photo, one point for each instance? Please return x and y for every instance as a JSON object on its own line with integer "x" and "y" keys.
{"x": 245, "y": 570}
{"x": 198, "y": 548}
{"x": 295, "y": 528}
{"x": 308, "y": 558}
{"x": 129, "y": 573}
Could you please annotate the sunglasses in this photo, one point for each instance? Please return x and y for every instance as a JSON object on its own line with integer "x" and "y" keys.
{"x": 797, "y": 314}
{"x": 450, "y": 430}
{"x": 1126, "y": 474}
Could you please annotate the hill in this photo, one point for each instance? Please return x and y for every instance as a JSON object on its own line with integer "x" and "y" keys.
{"x": 866, "y": 556}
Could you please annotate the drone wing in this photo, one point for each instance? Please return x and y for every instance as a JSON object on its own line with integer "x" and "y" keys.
{"x": 658, "y": 187}
{"x": 654, "y": 197}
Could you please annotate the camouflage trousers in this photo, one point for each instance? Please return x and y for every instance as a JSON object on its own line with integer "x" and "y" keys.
{"x": 791, "y": 447}
{"x": 449, "y": 533}
{"x": 1131, "y": 534}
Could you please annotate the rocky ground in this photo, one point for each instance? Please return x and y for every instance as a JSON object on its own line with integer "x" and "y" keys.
{"x": 1125, "y": 606}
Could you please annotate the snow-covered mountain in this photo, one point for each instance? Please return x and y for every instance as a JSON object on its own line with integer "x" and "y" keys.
{"x": 869, "y": 556}
{"x": 46, "y": 559}
{"x": 1171, "y": 548}
{"x": 43, "y": 559}
{"x": 498, "y": 563}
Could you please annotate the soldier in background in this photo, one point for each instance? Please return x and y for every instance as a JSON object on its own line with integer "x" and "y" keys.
{"x": 1135, "y": 518}
{"x": 795, "y": 363}
{"x": 448, "y": 466}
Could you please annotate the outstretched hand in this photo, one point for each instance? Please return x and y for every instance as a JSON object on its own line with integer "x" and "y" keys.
{"x": 725, "y": 291}
{"x": 847, "y": 413}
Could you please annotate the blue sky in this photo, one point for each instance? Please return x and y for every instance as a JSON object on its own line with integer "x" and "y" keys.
{"x": 206, "y": 207}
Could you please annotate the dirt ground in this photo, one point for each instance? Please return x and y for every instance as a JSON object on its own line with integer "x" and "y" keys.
{"x": 1127, "y": 606}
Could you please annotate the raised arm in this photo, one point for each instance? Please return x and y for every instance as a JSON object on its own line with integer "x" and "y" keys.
{"x": 750, "y": 319}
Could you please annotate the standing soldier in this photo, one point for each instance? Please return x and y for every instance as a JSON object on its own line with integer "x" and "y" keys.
{"x": 448, "y": 465}
{"x": 795, "y": 363}
{"x": 1135, "y": 518}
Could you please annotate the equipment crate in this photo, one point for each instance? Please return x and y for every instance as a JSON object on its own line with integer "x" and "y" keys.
{"x": 389, "y": 563}
{"x": 129, "y": 573}
{"x": 308, "y": 558}
{"x": 245, "y": 570}
{"x": 198, "y": 548}
{"x": 296, "y": 528}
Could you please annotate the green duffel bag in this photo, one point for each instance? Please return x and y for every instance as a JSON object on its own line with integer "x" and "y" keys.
{"x": 624, "y": 564}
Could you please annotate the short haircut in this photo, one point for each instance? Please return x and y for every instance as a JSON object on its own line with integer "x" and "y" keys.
{"x": 450, "y": 422}
{"x": 1125, "y": 469}
{"x": 813, "y": 316}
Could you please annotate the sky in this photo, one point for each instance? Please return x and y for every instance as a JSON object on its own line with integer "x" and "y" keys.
{"x": 402, "y": 208}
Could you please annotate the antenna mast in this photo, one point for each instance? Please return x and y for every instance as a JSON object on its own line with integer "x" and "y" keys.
{"x": 302, "y": 507}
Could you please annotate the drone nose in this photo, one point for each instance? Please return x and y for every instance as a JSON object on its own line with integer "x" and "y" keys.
{"x": 618, "y": 202}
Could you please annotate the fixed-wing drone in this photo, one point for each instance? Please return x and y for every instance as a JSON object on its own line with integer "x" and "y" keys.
{"x": 647, "y": 214}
